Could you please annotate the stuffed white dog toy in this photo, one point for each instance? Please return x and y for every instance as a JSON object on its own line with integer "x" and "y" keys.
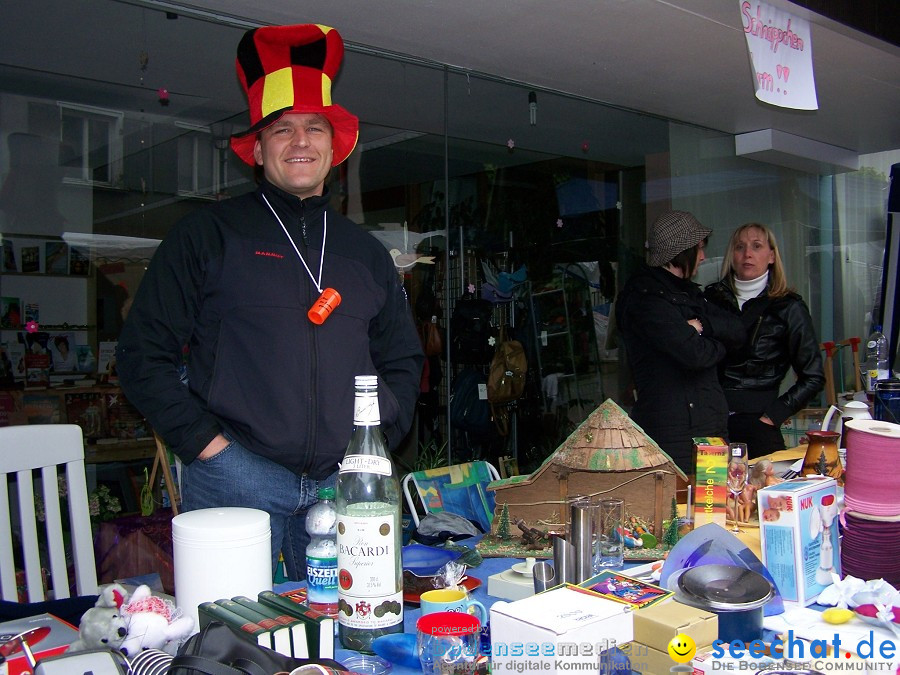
{"x": 153, "y": 623}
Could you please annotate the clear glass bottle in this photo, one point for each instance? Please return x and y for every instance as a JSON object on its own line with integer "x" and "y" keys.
{"x": 370, "y": 575}
{"x": 876, "y": 359}
{"x": 321, "y": 554}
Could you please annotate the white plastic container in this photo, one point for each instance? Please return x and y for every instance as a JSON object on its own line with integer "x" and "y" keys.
{"x": 220, "y": 553}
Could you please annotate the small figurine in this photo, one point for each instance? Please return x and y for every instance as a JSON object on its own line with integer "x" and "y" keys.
{"x": 763, "y": 474}
{"x": 746, "y": 503}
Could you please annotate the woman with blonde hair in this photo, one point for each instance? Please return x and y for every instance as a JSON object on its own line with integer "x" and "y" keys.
{"x": 780, "y": 337}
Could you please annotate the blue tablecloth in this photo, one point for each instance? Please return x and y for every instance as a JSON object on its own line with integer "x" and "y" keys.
{"x": 412, "y": 613}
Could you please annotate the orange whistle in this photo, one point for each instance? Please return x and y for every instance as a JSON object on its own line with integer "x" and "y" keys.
{"x": 324, "y": 306}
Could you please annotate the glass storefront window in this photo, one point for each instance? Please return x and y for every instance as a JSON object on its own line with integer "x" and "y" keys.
{"x": 480, "y": 175}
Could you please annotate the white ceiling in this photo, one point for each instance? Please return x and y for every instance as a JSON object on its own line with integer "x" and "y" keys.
{"x": 681, "y": 59}
{"x": 684, "y": 60}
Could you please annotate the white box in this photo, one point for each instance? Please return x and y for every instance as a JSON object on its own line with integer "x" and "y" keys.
{"x": 510, "y": 586}
{"x": 559, "y": 630}
{"x": 798, "y": 536}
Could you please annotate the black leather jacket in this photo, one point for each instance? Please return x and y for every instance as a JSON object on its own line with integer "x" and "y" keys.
{"x": 674, "y": 367}
{"x": 780, "y": 336}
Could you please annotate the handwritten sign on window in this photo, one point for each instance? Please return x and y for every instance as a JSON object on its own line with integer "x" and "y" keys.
{"x": 780, "y": 47}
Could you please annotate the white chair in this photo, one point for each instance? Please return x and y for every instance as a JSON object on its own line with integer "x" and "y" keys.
{"x": 46, "y": 447}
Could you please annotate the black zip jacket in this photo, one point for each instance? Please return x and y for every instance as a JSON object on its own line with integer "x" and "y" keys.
{"x": 780, "y": 337}
{"x": 674, "y": 367}
{"x": 227, "y": 284}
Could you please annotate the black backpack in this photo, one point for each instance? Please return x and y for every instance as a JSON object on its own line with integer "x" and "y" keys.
{"x": 468, "y": 411}
{"x": 471, "y": 330}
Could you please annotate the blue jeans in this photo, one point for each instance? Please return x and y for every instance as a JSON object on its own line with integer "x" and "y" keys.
{"x": 238, "y": 477}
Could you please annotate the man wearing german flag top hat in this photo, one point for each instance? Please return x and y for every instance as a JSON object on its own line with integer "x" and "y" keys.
{"x": 278, "y": 302}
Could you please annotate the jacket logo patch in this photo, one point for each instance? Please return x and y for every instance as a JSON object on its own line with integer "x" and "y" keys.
{"x": 268, "y": 254}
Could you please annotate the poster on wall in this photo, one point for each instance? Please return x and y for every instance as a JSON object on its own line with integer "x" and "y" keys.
{"x": 780, "y": 46}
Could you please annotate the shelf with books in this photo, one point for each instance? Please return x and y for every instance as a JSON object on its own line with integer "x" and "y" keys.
{"x": 113, "y": 429}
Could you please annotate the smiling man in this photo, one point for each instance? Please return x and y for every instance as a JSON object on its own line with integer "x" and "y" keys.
{"x": 221, "y": 351}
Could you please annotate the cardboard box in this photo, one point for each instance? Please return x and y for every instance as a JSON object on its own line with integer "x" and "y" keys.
{"x": 61, "y": 635}
{"x": 655, "y": 626}
{"x": 649, "y": 661}
{"x": 711, "y": 487}
{"x": 798, "y": 536}
{"x": 562, "y": 629}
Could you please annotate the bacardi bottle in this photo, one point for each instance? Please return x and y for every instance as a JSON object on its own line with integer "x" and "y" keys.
{"x": 370, "y": 574}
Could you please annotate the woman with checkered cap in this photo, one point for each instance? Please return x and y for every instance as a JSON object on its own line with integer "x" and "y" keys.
{"x": 674, "y": 340}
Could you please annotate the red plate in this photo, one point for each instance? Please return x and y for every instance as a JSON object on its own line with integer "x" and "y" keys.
{"x": 469, "y": 583}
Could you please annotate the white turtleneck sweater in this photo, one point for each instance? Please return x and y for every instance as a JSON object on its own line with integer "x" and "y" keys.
{"x": 745, "y": 290}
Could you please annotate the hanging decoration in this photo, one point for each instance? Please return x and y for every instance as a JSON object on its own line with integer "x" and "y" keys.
{"x": 163, "y": 95}
{"x": 510, "y": 144}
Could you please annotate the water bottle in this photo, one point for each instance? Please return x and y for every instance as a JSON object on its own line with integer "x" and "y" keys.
{"x": 369, "y": 533}
{"x": 321, "y": 554}
{"x": 876, "y": 359}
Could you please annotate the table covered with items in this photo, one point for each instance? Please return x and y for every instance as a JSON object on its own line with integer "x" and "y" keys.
{"x": 604, "y": 580}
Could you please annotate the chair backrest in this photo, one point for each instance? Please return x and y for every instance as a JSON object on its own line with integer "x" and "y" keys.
{"x": 835, "y": 370}
{"x": 57, "y": 452}
{"x": 458, "y": 489}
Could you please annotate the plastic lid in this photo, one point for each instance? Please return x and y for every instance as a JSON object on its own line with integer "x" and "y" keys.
{"x": 326, "y": 493}
{"x": 725, "y": 587}
{"x": 367, "y": 664}
{"x": 448, "y": 624}
{"x": 220, "y": 524}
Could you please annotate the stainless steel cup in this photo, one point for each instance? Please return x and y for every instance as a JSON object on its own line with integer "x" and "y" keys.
{"x": 563, "y": 559}
{"x": 544, "y": 576}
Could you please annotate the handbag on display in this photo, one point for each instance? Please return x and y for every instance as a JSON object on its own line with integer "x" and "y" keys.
{"x": 432, "y": 338}
{"x": 217, "y": 650}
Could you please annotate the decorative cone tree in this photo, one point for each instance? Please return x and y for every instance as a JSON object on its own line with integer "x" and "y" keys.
{"x": 670, "y": 538}
{"x": 503, "y": 525}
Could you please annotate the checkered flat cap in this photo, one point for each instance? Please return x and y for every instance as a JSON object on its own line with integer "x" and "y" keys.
{"x": 672, "y": 233}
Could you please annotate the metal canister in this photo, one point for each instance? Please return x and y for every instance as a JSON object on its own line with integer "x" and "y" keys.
{"x": 887, "y": 400}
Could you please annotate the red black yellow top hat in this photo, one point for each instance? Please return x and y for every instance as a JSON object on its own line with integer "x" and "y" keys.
{"x": 290, "y": 69}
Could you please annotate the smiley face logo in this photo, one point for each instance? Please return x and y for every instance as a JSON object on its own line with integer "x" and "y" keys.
{"x": 682, "y": 648}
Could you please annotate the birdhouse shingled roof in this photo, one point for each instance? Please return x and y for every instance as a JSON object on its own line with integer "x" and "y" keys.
{"x": 607, "y": 441}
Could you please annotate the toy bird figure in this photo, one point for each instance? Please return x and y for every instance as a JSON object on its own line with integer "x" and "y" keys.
{"x": 404, "y": 261}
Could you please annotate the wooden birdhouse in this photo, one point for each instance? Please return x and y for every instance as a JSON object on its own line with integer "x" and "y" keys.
{"x": 607, "y": 457}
